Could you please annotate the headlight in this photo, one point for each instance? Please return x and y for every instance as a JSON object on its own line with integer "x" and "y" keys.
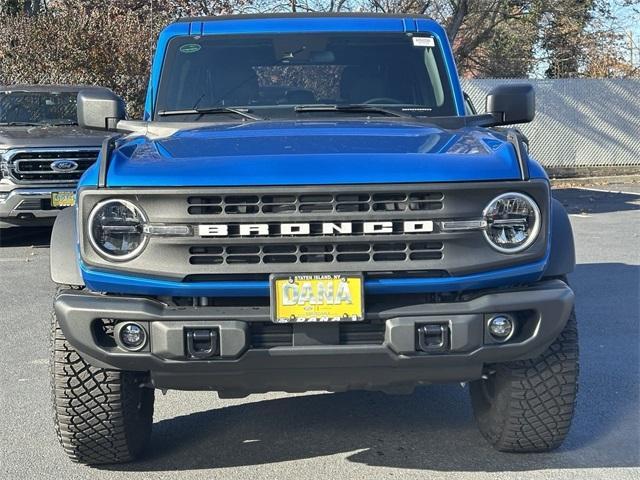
{"x": 116, "y": 229}
{"x": 513, "y": 222}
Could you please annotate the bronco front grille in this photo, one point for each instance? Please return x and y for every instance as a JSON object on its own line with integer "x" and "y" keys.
{"x": 219, "y": 249}
{"x": 310, "y": 203}
{"x": 36, "y": 165}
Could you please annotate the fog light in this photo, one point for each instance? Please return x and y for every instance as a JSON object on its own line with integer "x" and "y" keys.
{"x": 132, "y": 336}
{"x": 501, "y": 327}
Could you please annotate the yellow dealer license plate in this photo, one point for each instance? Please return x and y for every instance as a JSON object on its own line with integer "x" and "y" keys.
{"x": 63, "y": 199}
{"x": 317, "y": 298}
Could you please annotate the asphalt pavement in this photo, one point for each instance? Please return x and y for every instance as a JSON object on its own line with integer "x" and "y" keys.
{"x": 358, "y": 435}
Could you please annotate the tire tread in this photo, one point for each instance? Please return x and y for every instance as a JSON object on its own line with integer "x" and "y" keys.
{"x": 535, "y": 399}
{"x": 101, "y": 416}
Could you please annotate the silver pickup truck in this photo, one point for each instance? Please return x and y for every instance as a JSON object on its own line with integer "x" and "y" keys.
{"x": 43, "y": 152}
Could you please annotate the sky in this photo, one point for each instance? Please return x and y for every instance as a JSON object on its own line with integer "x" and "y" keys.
{"x": 629, "y": 19}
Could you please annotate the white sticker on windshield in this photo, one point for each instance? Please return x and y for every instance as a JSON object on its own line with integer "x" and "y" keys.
{"x": 424, "y": 42}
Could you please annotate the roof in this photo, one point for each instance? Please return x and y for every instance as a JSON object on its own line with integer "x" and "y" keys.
{"x": 44, "y": 88}
{"x": 259, "y": 16}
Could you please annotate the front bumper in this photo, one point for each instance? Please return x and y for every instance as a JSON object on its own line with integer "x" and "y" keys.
{"x": 313, "y": 361}
{"x": 29, "y": 206}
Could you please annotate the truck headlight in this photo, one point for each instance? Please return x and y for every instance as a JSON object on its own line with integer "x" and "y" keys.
{"x": 116, "y": 229}
{"x": 513, "y": 222}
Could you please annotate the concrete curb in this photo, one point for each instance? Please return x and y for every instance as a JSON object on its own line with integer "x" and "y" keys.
{"x": 589, "y": 181}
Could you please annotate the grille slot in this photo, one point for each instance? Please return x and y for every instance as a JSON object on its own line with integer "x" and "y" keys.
{"x": 315, "y": 253}
{"x": 37, "y": 204}
{"x": 271, "y": 335}
{"x": 35, "y": 165}
{"x": 314, "y": 203}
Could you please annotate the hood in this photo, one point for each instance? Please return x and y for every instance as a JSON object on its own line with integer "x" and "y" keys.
{"x": 313, "y": 153}
{"x": 49, "y": 136}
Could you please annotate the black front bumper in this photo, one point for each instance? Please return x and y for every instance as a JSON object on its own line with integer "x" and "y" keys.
{"x": 311, "y": 361}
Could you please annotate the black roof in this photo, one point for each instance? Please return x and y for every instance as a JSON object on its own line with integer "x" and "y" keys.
{"x": 302, "y": 15}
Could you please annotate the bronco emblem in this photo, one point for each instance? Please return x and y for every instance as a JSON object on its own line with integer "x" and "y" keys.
{"x": 317, "y": 228}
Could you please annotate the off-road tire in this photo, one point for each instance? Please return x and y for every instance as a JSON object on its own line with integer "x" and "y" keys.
{"x": 101, "y": 416}
{"x": 527, "y": 406}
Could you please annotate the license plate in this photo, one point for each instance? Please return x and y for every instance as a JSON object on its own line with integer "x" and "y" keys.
{"x": 317, "y": 298}
{"x": 63, "y": 199}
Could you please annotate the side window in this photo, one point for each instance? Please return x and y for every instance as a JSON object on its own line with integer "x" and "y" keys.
{"x": 469, "y": 107}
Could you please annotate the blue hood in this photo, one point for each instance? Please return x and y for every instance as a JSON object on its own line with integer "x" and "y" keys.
{"x": 308, "y": 153}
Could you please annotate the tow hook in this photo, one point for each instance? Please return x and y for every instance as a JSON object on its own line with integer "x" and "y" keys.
{"x": 202, "y": 343}
{"x": 433, "y": 338}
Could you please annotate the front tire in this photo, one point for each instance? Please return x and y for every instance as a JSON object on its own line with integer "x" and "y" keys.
{"x": 527, "y": 406}
{"x": 101, "y": 416}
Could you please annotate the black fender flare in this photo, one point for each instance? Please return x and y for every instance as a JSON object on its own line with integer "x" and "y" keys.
{"x": 63, "y": 261}
{"x": 562, "y": 257}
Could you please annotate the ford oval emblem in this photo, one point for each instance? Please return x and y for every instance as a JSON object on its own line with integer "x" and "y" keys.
{"x": 64, "y": 166}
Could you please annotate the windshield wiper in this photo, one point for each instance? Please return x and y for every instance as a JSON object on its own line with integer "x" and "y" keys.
{"x": 20, "y": 124}
{"x": 349, "y": 108}
{"x": 243, "y": 112}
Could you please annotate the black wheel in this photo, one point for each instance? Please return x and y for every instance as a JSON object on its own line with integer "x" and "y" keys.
{"x": 101, "y": 416}
{"x": 527, "y": 406}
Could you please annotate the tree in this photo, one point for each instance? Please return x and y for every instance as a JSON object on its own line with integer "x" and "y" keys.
{"x": 109, "y": 42}
{"x": 489, "y": 37}
{"x": 94, "y": 42}
{"x": 563, "y": 35}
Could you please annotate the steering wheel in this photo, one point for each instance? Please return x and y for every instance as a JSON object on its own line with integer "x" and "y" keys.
{"x": 384, "y": 100}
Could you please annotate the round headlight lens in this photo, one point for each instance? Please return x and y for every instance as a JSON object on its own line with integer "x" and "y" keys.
{"x": 513, "y": 222}
{"x": 116, "y": 229}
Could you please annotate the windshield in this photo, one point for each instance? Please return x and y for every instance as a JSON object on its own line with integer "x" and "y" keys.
{"x": 273, "y": 74}
{"x": 38, "y": 108}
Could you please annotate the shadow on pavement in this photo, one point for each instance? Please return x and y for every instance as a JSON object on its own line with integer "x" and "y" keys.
{"x": 25, "y": 237}
{"x": 577, "y": 200}
{"x": 432, "y": 429}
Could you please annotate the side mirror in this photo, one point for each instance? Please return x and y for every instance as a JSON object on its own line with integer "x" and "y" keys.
{"x": 100, "y": 109}
{"x": 511, "y": 104}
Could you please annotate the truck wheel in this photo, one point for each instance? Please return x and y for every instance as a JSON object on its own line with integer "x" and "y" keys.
{"x": 527, "y": 406}
{"x": 101, "y": 416}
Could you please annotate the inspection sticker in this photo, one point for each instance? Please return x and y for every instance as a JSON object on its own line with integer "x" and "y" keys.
{"x": 424, "y": 42}
{"x": 190, "y": 48}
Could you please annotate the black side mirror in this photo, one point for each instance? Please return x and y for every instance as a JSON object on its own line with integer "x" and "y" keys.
{"x": 100, "y": 109}
{"x": 511, "y": 104}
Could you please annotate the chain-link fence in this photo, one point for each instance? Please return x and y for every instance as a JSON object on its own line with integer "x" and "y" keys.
{"x": 579, "y": 122}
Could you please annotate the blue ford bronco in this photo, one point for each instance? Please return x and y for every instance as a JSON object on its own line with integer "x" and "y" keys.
{"x": 309, "y": 203}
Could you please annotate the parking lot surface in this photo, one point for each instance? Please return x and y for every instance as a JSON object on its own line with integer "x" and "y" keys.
{"x": 430, "y": 434}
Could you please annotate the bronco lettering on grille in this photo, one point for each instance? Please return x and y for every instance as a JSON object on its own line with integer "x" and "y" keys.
{"x": 322, "y": 228}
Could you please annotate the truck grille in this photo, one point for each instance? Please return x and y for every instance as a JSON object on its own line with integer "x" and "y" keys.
{"x": 208, "y": 255}
{"x": 36, "y": 166}
{"x": 287, "y": 204}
